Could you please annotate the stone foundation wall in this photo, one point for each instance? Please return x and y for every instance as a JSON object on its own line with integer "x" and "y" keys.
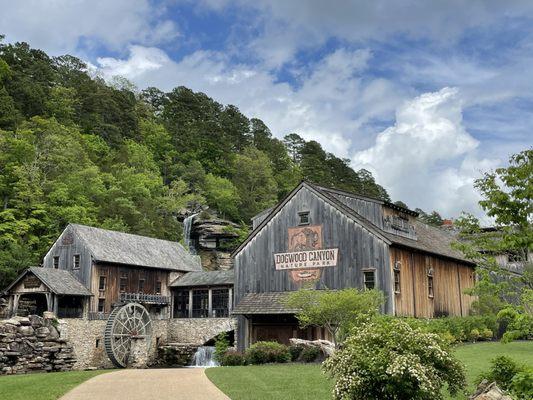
{"x": 198, "y": 330}
{"x": 33, "y": 344}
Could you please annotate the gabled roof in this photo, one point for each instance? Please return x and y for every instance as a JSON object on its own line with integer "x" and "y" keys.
{"x": 59, "y": 281}
{"x": 205, "y": 278}
{"x": 263, "y": 303}
{"x": 125, "y": 248}
{"x": 429, "y": 239}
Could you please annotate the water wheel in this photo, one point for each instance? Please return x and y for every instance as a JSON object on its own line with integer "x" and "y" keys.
{"x": 124, "y": 323}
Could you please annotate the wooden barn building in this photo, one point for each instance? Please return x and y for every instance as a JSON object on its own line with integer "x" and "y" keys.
{"x": 330, "y": 239}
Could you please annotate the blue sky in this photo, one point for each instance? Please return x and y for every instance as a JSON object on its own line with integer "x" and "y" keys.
{"x": 427, "y": 95}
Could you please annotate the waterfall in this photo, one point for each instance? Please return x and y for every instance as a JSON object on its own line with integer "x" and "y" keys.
{"x": 204, "y": 357}
{"x": 187, "y": 230}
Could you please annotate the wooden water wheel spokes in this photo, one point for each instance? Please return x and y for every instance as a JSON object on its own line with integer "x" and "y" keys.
{"x": 124, "y": 323}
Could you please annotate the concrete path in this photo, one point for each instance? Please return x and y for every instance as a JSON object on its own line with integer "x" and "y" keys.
{"x": 143, "y": 384}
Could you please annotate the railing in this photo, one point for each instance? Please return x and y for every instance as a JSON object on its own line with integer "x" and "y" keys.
{"x": 144, "y": 298}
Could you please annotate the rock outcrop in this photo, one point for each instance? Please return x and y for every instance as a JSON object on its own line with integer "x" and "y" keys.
{"x": 326, "y": 347}
{"x": 489, "y": 391}
{"x": 30, "y": 344}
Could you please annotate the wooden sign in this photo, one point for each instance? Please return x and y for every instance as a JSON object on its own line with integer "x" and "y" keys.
{"x": 306, "y": 259}
{"x": 31, "y": 281}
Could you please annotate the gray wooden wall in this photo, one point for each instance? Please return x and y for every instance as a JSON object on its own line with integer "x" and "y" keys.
{"x": 66, "y": 246}
{"x": 358, "y": 250}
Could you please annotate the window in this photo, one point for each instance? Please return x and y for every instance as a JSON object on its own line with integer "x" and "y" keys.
{"x": 220, "y": 299}
{"x": 304, "y": 217}
{"x": 200, "y": 303}
{"x": 56, "y": 262}
{"x": 516, "y": 257}
{"x": 76, "y": 261}
{"x": 123, "y": 282}
{"x": 397, "y": 284}
{"x": 97, "y": 344}
{"x": 181, "y": 304}
{"x": 141, "y": 285}
{"x": 101, "y": 305}
{"x": 158, "y": 287}
{"x": 369, "y": 279}
{"x": 430, "y": 282}
{"x": 102, "y": 284}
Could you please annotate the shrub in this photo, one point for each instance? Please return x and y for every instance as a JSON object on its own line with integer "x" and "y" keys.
{"x": 232, "y": 358}
{"x": 388, "y": 360}
{"x": 486, "y": 334}
{"x": 522, "y": 384}
{"x": 295, "y": 351}
{"x": 310, "y": 354}
{"x": 221, "y": 346}
{"x": 502, "y": 371}
{"x": 519, "y": 324}
{"x": 267, "y": 352}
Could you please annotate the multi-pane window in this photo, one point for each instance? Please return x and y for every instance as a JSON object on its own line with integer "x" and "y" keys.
{"x": 158, "y": 287}
{"x": 397, "y": 283}
{"x": 123, "y": 282}
{"x": 101, "y": 305}
{"x": 369, "y": 279}
{"x": 76, "y": 261}
{"x": 181, "y": 304}
{"x": 55, "y": 261}
{"x": 430, "y": 282}
{"x": 200, "y": 303}
{"x": 102, "y": 283}
{"x": 220, "y": 301}
{"x": 304, "y": 217}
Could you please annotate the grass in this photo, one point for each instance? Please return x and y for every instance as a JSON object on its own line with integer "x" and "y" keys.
{"x": 306, "y": 381}
{"x": 42, "y": 386}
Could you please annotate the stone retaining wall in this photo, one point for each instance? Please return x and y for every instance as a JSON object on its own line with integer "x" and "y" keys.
{"x": 30, "y": 344}
{"x": 198, "y": 330}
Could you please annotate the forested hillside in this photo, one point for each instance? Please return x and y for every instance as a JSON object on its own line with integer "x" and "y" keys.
{"x": 74, "y": 148}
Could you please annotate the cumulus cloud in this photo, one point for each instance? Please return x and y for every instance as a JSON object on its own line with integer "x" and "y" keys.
{"x": 427, "y": 158}
{"x": 331, "y": 103}
{"x": 62, "y": 26}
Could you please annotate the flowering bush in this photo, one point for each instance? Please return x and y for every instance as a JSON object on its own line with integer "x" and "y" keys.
{"x": 388, "y": 359}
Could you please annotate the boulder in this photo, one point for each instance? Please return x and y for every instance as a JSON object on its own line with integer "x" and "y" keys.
{"x": 486, "y": 391}
{"x": 325, "y": 346}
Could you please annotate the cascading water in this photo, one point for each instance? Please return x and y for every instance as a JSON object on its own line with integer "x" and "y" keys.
{"x": 187, "y": 230}
{"x": 204, "y": 357}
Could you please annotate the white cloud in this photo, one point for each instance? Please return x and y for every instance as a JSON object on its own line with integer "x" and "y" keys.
{"x": 428, "y": 159}
{"x": 59, "y": 26}
{"x": 330, "y": 105}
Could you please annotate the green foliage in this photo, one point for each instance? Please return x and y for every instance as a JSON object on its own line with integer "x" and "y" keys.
{"x": 502, "y": 371}
{"x": 267, "y": 352}
{"x": 221, "y": 346}
{"x": 522, "y": 384}
{"x": 295, "y": 351}
{"x": 222, "y": 194}
{"x": 310, "y": 354}
{"x": 337, "y": 311}
{"x": 519, "y": 324}
{"x": 232, "y": 358}
{"x": 390, "y": 360}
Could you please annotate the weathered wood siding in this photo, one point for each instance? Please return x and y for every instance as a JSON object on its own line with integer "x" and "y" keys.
{"x": 113, "y": 274}
{"x": 371, "y": 210}
{"x": 450, "y": 279}
{"x": 66, "y": 246}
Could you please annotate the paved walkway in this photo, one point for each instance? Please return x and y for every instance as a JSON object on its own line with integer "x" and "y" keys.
{"x": 143, "y": 384}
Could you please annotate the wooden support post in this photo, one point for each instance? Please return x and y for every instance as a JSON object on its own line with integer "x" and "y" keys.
{"x": 16, "y": 298}
{"x": 230, "y": 300}
{"x": 55, "y": 301}
{"x": 210, "y": 303}
{"x": 190, "y": 303}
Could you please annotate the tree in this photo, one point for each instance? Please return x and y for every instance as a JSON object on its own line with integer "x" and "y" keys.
{"x": 294, "y": 143}
{"x": 507, "y": 196}
{"x": 222, "y": 195}
{"x": 255, "y": 182}
{"x": 336, "y": 311}
{"x": 388, "y": 360}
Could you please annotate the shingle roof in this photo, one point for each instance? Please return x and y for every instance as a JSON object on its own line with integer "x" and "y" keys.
{"x": 59, "y": 281}
{"x": 263, "y": 303}
{"x": 126, "y": 248}
{"x": 205, "y": 278}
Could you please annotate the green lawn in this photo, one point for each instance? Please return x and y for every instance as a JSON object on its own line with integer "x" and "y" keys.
{"x": 305, "y": 381}
{"x": 42, "y": 386}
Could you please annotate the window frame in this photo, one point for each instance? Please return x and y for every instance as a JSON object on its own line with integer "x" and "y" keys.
{"x": 306, "y": 215}
{"x": 397, "y": 277}
{"x": 430, "y": 283}
{"x": 101, "y": 302}
{"x": 158, "y": 287}
{"x": 55, "y": 262}
{"x": 76, "y": 261}
{"x": 200, "y": 296}
{"x": 374, "y": 278}
{"x": 123, "y": 281}
{"x": 140, "y": 285}
{"x": 104, "y": 286}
